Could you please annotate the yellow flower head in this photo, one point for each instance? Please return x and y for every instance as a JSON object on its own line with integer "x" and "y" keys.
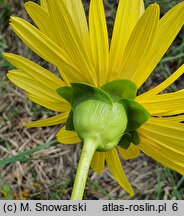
{"x": 95, "y": 72}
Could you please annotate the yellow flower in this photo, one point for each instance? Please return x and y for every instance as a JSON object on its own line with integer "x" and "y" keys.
{"x": 82, "y": 54}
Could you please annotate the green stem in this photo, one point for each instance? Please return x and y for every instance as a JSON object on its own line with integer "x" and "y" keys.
{"x": 88, "y": 151}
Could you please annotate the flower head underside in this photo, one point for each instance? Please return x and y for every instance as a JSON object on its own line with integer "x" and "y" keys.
{"x": 101, "y": 78}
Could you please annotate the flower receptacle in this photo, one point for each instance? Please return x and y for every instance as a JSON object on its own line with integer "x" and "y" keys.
{"x": 101, "y": 122}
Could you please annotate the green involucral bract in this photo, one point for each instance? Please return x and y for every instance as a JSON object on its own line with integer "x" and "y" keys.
{"x": 66, "y": 93}
{"x": 128, "y": 138}
{"x": 106, "y": 116}
{"x": 120, "y": 89}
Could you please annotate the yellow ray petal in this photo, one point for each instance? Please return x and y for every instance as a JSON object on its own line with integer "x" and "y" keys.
{"x": 168, "y": 27}
{"x": 178, "y": 118}
{"x": 163, "y": 85}
{"x": 34, "y": 71}
{"x": 162, "y": 152}
{"x": 99, "y": 40}
{"x": 45, "y": 48}
{"x": 67, "y": 137}
{"x": 165, "y": 130}
{"x": 58, "y": 107}
{"x": 116, "y": 169}
{"x": 44, "y": 5}
{"x": 128, "y": 13}
{"x": 165, "y": 104}
{"x": 77, "y": 13}
{"x": 70, "y": 39}
{"x": 132, "y": 152}
{"x": 42, "y": 20}
{"x": 98, "y": 161}
{"x": 54, "y": 120}
{"x": 159, "y": 154}
{"x": 139, "y": 44}
{"x": 34, "y": 86}
{"x": 167, "y": 149}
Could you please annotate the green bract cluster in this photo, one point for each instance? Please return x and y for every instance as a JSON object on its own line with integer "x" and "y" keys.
{"x": 108, "y": 116}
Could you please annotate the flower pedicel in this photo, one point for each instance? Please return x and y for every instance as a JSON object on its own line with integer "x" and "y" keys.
{"x": 96, "y": 95}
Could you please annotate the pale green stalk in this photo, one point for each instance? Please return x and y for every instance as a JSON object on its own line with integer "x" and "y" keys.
{"x": 88, "y": 151}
